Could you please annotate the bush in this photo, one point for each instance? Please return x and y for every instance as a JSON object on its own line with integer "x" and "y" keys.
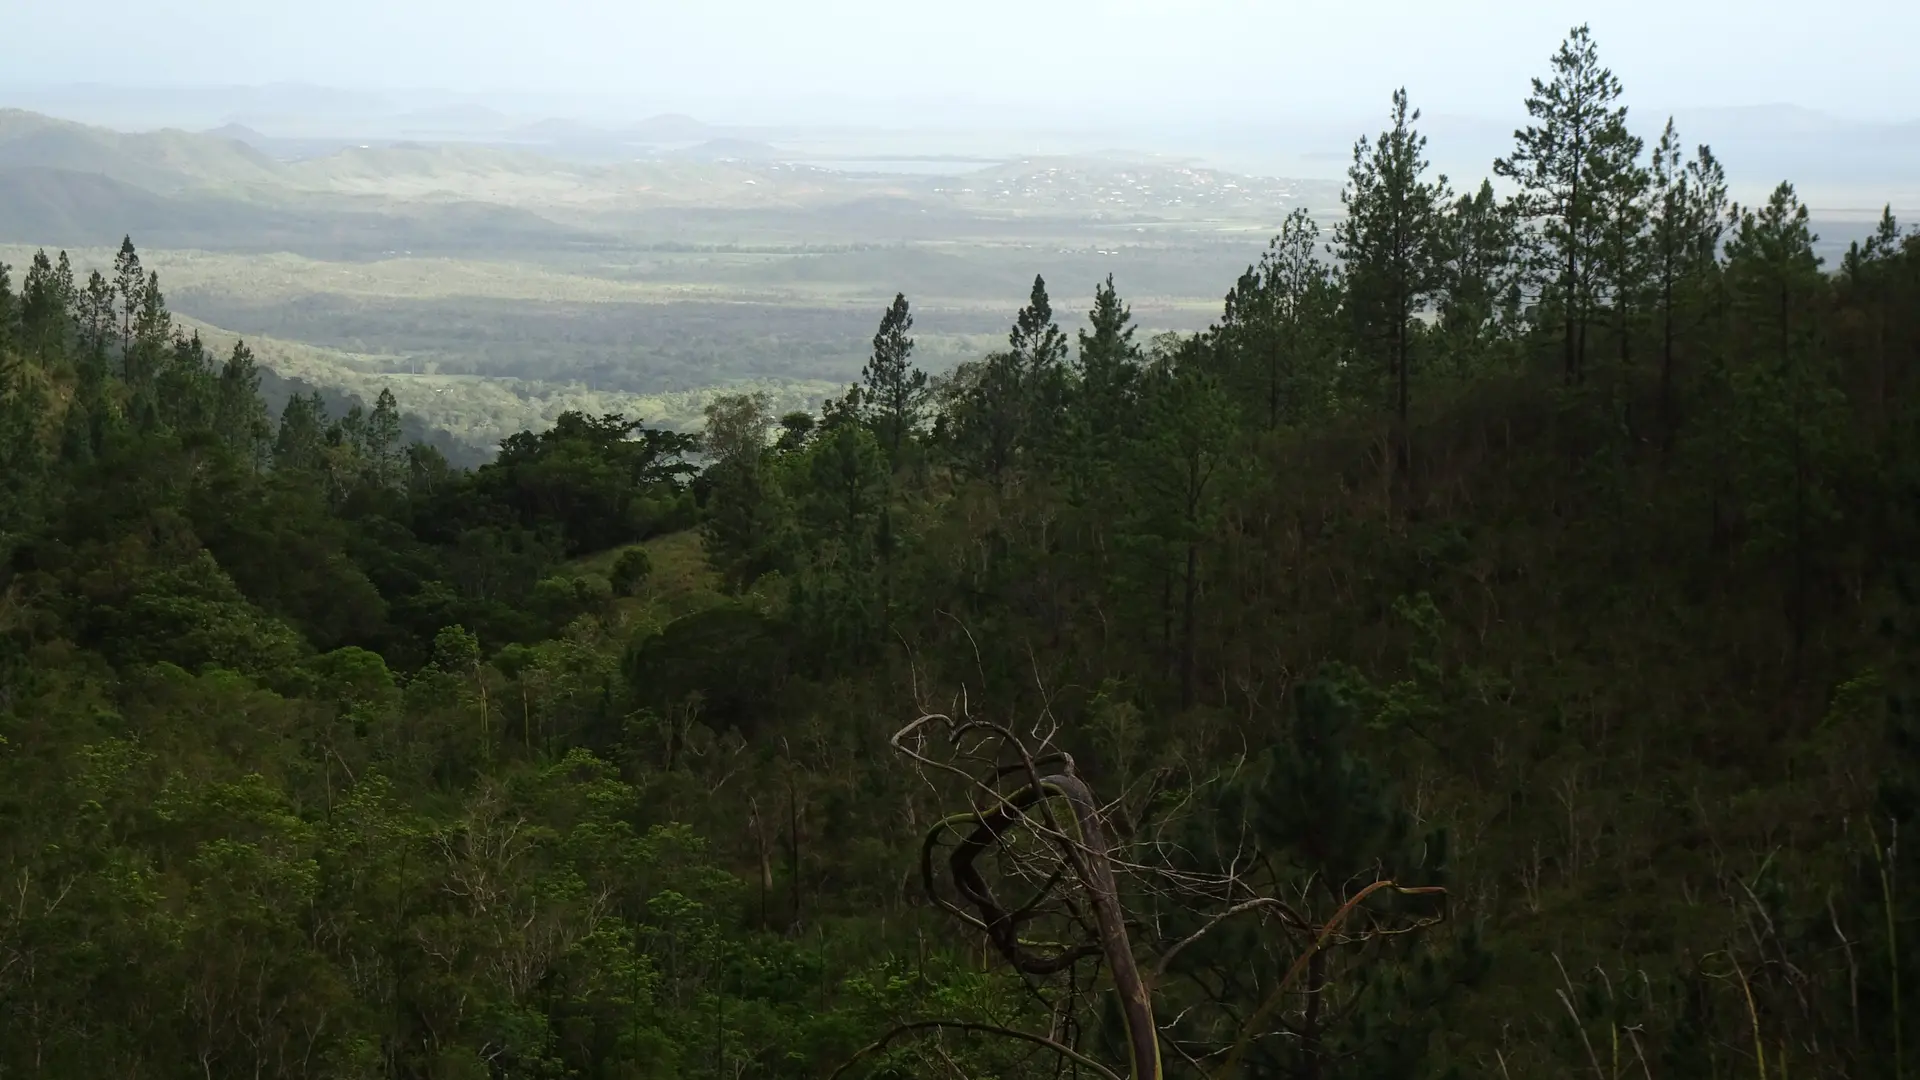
{"x": 631, "y": 569}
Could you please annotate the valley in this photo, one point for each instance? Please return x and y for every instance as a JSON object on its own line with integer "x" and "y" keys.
{"x": 493, "y": 288}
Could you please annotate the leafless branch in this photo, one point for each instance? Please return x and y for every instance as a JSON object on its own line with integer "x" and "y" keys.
{"x": 918, "y": 1026}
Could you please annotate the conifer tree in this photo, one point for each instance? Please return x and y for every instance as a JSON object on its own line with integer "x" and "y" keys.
{"x": 1008, "y": 406}
{"x": 984, "y": 416}
{"x": 1271, "y": 329}
{"x": 1687, "y": 205}
{"x": 1478, "y": 295}
{"x": 896, "y": 393}
{"x": 1038, "y": 350}
{"x": 63, "y": 281}
{"x": 1108, "y": 363}
{"x": 382, "y": 441}
{"x": 9, "y": 308}
{"x": 1621, "y": 260}
{"x": 1573, "y": 165}
{"x": 1180, "y": 458}
{"x": 301, "y": 441}
{"x": 152, "y": 328}
{"x": 240, "y": 417}
{"x": 186, "y": 394}
{"x": 1869, "y": 270}
{"x": 1790, "y": 411}
{"x": 128, "y": 283}
{"x": 43, "y": 311}
{"x": 1392, "y": 249}
{"x": 94, "y": 308}
{"x": 895, "y": 389}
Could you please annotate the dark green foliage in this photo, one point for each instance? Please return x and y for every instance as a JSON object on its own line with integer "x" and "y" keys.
{"x": 1107, "y": 364}
{"x": 1576, "y": 165}
{"x": 1393, "y": 254}
{"x": 321, "y": 756}
{"x": 896, "y": 391}
{"x": 597, "y": 482}
{"x": 1279, "y": 332}
{"x": 631, "y": 570}
{"x": 723, "y": 667}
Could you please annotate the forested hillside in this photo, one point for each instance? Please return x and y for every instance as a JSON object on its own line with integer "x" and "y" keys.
{"x": 1491, "y": 649}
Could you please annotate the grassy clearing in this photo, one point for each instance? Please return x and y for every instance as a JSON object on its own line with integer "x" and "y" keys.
{"x": 681, "y": 582}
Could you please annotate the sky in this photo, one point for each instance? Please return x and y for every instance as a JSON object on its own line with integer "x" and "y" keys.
{"x": 1039, "y": 62}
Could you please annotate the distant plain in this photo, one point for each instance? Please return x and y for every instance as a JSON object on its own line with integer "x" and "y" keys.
{"x": 492, "y": 286}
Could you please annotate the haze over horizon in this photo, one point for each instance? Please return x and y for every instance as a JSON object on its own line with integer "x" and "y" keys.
{"x": 1004, "y": 64}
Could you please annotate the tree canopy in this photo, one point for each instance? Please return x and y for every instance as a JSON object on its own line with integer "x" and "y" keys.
{"x": 1488, "y": 650}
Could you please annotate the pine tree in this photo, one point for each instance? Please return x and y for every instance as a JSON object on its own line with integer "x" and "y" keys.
{"x": 983, "y": 417}
{"x": 1620, "y": 260}
{"x": 63, "y": 282}
{"x": 9, "y": 309}
{"x": 240, "y": 417}
{"x": 186, "y": 393}
{"x": 381, "y": 441}
{"x": 128, "y": 284}
{"x": 300, "y": 444}
{"x": 1790, "y": 411}
{"x": 43, "y": 311}
{"x": 23, "y": 455}
{"x": 1108, "y": 364}
{"x": 152, "y": 329}
{"x": 1007, "y": 408}
{"x": 1272, "y": 327}
{"x": 94, "y": 312}
{"x": 1478, "y": 295}
{"x": 1392, "y": 249}
{"x": 1570, "y": 164}
{"x": 896, "y": 391}
{"x": 1313, "y": 820}
{"x": 1180, "y": 456}
{"x": 1038, "y": 348}
{"x": 1869, "y": 270}
{"x": 1687, "y": 205}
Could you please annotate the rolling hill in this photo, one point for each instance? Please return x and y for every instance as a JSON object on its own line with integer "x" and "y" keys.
{"x": 68, "y": 207}
{"x": 163, "y": 161}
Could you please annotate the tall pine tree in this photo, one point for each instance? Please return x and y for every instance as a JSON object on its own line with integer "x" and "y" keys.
{"x": 896, "y": 390}
{"x": 1570, "y": 164}
{"x": 1687, "y": 205}
{"x": 1392, "y": 250}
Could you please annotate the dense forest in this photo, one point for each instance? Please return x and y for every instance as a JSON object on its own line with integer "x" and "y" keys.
{"x": 1491, "y": 649}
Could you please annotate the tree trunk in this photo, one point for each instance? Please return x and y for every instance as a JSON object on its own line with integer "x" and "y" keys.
{"x": 1273, "y": 386}
{"x": 793, "y": 846}
{"x": 1668, "y": 421}
{"x": 1403, "y": 453}
{"x": 1187, "y": 630}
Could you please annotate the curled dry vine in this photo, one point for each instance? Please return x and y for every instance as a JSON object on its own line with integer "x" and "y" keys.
{"x": 1035, "y": 825}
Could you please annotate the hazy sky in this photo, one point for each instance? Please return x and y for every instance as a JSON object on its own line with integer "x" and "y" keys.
{"x": 857, "y": 60}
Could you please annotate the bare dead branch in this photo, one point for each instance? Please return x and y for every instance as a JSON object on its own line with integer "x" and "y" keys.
{"x": 1257, "y": 903}
{"x": 918, "y": 1026}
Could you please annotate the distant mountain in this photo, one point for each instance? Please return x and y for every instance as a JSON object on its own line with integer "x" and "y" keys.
{"x": 730, "y": 150}
{"x": 281, "y": 148}
{"x": 71, "y": 208}
{"x": 137, "y": 107}
{"x": 669, "y": 128}
{"x": 238, "y": 133}
{"x": 557, "y": 130}
{"x": 160, "y": 161}
{"x": 61, "y": 207}
{"x": 462, "y": 119}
